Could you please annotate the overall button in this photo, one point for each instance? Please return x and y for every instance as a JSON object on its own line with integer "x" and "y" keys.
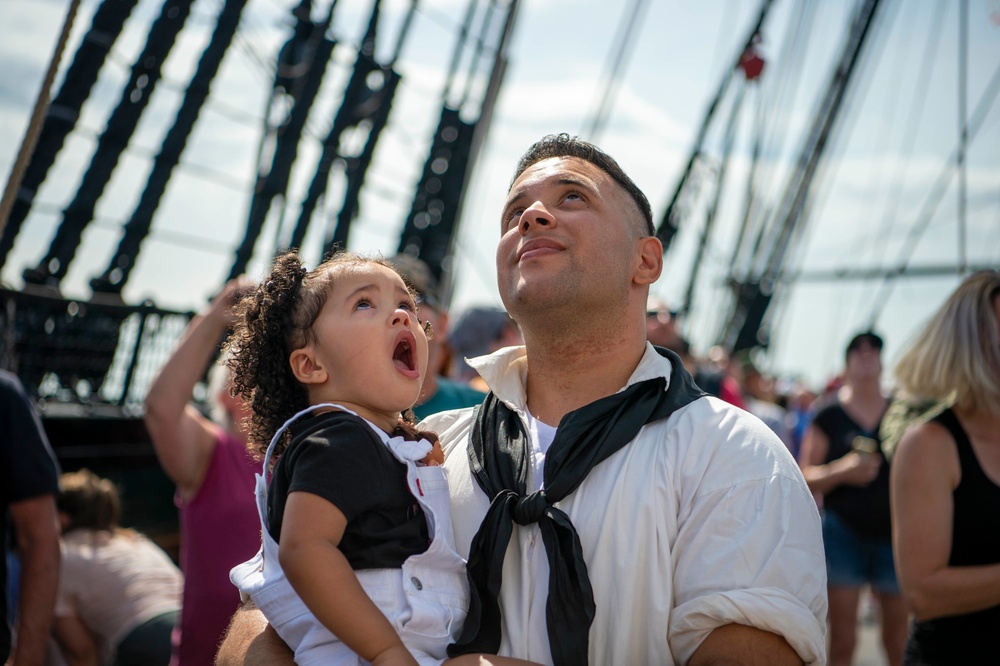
{"x": 416, "y": 583}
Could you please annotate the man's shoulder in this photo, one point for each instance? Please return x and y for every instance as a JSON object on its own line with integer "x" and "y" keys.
{"x": 9, "y": 382}
{"x": 15, "y": 398}
{"x": 714, "y": 435}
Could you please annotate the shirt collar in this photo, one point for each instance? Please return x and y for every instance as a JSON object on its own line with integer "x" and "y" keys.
{"x": 506, "y": 372}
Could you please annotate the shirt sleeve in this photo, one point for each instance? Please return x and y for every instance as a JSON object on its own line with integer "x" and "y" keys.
{"x": 340, "y": 463}
{"x": 751, "y": 552}
{"x": 28, "y": 468}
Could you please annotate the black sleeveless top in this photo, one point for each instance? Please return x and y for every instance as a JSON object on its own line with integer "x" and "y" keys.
{"x": 973, "y": 638}
{"x": 864, "y": 509}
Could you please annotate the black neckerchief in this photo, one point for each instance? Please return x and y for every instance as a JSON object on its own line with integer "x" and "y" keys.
{"x": 498, "y": 457}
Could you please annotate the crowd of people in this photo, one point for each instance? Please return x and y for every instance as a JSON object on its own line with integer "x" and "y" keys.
{"x": 379, "y": 483}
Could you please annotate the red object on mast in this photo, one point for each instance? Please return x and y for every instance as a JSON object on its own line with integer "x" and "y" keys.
{"x": 751, "y": 63}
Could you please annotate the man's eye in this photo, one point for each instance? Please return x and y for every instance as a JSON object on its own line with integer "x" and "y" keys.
{"x": 574, "y": 196}
{"x": 512, "y": 218}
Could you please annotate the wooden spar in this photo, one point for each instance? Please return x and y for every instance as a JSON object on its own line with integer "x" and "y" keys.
{"x": 37, "y": 118}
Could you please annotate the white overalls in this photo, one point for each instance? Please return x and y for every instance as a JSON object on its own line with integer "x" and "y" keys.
{"x": 425, "y": 601}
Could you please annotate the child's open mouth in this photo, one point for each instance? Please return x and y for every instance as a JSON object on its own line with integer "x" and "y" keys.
{"x": 403, "y": 354}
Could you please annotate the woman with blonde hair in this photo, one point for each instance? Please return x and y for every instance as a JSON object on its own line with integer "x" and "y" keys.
{"x": 945, "y": 481}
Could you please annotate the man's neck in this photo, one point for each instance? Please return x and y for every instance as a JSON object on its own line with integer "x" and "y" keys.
{"x": 863, "y": 391}
{"x": 568, "y": 372}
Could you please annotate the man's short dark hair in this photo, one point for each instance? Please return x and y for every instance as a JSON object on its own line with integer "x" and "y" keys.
{"x": 869, "y": 337}
{"x": 563, "y": 145}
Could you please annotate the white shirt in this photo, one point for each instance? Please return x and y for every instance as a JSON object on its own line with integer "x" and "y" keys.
{"x": 115, "y": 582}
{"x": 540, "y": 436}
{"x": 701, "y": 521}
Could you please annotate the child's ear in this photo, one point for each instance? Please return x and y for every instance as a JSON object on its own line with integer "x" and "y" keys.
{"x": 306, "y": 368}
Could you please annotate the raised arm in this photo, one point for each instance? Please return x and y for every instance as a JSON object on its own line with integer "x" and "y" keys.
{"x": 38, "y": 547}
{"x": 925, "y": 471}
{"x": 182, "y": 437}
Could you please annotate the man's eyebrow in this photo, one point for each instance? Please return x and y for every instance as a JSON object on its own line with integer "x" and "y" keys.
{"x": 578, "y": 182}
{"x": 515, "y": 195}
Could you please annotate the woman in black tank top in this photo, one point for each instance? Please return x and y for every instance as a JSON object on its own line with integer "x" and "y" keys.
{"x": 945, "y": 482}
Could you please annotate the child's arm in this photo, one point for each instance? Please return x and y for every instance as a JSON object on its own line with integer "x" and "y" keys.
{"x": 310, "y": 532}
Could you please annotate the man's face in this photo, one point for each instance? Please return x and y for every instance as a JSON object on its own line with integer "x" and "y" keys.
{"x": 865, "y": 360}
{"x": 568, "y": 236}
{"x": 661, "y": 328}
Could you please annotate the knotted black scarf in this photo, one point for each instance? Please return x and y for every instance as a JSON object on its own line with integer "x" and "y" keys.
{"x": 498, "y": 457}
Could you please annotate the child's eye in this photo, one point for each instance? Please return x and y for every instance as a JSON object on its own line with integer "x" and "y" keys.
{"x": 408, "y": 306}
{"x": 363, "y": 304}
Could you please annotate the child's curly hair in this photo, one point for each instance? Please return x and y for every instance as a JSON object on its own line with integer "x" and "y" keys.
{"x": 271, "y": 322}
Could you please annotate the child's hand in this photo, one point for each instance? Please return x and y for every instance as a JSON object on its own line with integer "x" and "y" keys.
{"x": 397, "y": 655}
{"x": 408, "y": 431}
{"x": 436, "y": 455}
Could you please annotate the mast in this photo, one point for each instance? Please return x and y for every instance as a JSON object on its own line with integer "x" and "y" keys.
{"x": 123, "y": 260}
{"x": 64, "y": 110}
{"x": 670, "y": 222}
{"x": 727, "y": 151}
{"x": 316, "y": 49}
{"x": 434, "y": 217}
{"x": 357, "y": 167}
{"x": 754, "y": 295}
{"x": 355, "y": 106}
{"x": 111, "y": 144}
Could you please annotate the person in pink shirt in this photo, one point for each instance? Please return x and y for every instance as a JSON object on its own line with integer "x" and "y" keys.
{"x": 214, "y": 473}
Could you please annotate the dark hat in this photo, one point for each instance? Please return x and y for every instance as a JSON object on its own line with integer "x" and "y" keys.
{"x": 865, "y": 336}
{"x": 476, "y": 329}
{"x": 419, "y": 276}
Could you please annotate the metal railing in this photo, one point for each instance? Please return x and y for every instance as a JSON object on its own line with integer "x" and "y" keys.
{"x": 88, "y": 354}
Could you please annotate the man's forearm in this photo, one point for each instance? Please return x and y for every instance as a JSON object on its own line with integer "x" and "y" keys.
{"x": 38, "y": 548}
{"x": 746, "y": 646}
{"x": 250, "y": 641}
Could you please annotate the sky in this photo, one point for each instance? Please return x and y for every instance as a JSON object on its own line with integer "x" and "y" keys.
{"x": 887, "y": 175}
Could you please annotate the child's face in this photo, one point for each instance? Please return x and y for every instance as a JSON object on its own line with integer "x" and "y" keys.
{"x": 369, "y": 341}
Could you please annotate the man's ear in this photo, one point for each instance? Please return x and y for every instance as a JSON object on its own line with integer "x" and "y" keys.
{"x": 650, "y": 261}
{"x": 306, "y": 367}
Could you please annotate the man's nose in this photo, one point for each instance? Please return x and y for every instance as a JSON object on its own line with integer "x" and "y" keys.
{"x": 535, "y": 214}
